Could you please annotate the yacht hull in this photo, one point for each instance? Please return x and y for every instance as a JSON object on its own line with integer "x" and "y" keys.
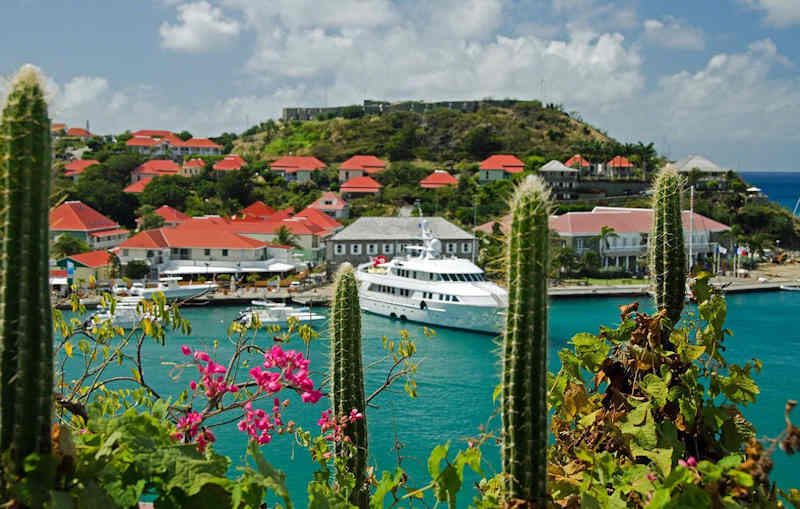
{"x": 488, "y": 320}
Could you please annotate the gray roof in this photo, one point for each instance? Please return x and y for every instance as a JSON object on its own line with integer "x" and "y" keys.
{"x": 400, "y": 228}
{"x": 690, "y": 162}
{"x": 557, "y": 166}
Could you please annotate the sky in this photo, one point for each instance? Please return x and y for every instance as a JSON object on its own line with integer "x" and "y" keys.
{"x": 712, "y": 77}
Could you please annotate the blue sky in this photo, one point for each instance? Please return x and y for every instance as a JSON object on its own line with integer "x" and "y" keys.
{"x": 719, "y": 78}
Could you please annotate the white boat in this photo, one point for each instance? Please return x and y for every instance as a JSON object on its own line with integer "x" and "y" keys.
{"x": 126, "y": 314}
{"x": 171, "y": 289}
{"x": 272, "y": 314}
{"x": 432, "y": 289}
{"x": 791, "y": 287}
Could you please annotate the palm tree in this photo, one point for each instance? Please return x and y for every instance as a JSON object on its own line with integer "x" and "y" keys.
{"x": 606, "y": 232}
{"x": 286, "y": 238}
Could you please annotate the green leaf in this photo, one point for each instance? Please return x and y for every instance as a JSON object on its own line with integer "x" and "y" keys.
{"x": 640, "y": 425}
{"x": 656, "y": 388}
{"x": 590, "y": 350}
{"x": 711, "y": 472}
{"x": 740, "y": 478}
{"x": 691, "y": 496}
{"x": 274, "y": 479}
{"x": 732, "y": 461}
{"x": 661, "y": 458}
{"x": 385, "y": 486}
{"x": 437, "y": 455}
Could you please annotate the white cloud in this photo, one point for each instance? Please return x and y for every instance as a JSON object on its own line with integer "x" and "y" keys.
{"x": 674, "y": 33}
{"x": 779, "y": 13}
{"x": 200, "y": 27}
{"x": 80, "y": 91}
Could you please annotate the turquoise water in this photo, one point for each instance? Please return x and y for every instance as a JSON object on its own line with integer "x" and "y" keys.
{"x": 460, "y": 371}
{"x": 780, "y": 186}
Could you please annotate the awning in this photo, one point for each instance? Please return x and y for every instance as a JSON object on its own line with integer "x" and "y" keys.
{"x": 58, "y": 281}
{"x": 280, "y": 267}
{"x": 189, "y": 269}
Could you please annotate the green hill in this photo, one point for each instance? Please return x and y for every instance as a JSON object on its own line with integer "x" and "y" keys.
{"x": 526, "y": 129}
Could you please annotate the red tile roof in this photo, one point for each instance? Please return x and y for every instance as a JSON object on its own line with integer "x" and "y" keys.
{"x": 78, "y": 132}
{"x": 147, "y": 239}
{"x": 209, "y": 237}
{"x": 269, "y": 226}
{"x": 506, "y": 162}
{"x": 319, "y": 218}
{"x": 620, "y": 162}
{"x": 291, "y": 164}
{"x": 230, "y": 162}
{"x": 151, "y": 133}
{"x": 58, "y": 273}
{"x": 258, "y": 209}
{"x": 367, "y": 164}
{"x": 200, "y": 143}
{"x": 106, "y": 233}
{"x": 142, "y": 141}
{"x": 336, "y": 202}
{"x": 360, "y": 185}
{"x": 576, "y": 160}
{"x": 78, "y": 166}
{"x": 77, "y": 216}
{"x": 92, "y": 259}
{"x": 171, "y": 215}
{"x": 55, "y": 127}
{"x": 158, "y": 167}
{"x": 194, "y": 163}
{"x": 138, "y": 186}
{"x": 437, "y": 179}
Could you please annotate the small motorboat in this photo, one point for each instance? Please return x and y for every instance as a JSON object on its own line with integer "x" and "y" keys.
{"x": 271, "y": 314}
{"x": 126, "y": 314}
{"x": 791, "y": 287}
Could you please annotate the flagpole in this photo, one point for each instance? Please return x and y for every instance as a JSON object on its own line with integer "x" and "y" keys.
{"x": 691, "y": 226}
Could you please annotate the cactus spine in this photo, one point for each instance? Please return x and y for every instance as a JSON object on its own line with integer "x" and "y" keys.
{"x": 26, "y": 341}
{"x": 524, "y": 447}
{"x": 347, "y": 374}
{"x": 667, "y": 255}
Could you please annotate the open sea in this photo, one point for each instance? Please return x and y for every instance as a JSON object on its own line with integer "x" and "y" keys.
{"x": 460, "y": 370}
{"x": 780, "y": 186}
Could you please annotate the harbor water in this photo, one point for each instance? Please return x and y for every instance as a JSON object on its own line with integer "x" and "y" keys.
{"x": 459, "y": 372}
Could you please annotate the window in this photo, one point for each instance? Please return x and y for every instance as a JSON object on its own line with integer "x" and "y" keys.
{"x": 150, "y": 254}
{"x": 372, "y": 248}
{"x": 339, "y": 249}
{"x": 355, "y": 249}
{"x": 224, "y": 252}
{"x": 387, "y": 248}
{"x": 579, "y": 243}
{"x": 445, "y": 277}
{"x": 466, "y": 247}
{"x": 124, "y": 252}
{"x": 207, "y": 252}
{"x": 451, "y": 247}
{"x": 455, "y": 299}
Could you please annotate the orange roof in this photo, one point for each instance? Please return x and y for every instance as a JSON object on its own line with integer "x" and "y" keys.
{"x": 138, "y": 186}
{"x": 506, "y": 162}
{"x": 146, "y": 239}
{"x": 368, "y": 164}
{"x": 92, "y": 259}
{"x": 258, "y": 209}
{"x": 438, "y": 178}
{"x": 209, "y": 237}
{"x": 151, "y": 133}
{"x": 291, "y": 164}
{"x": 171, "y": 215}
{"x": 200, "y": 143}
{"x": 361, "y": 185}
{"x": 269, "y": 226}
{"x": 58, "y": 273}
{"x": 329, "y": 201}
{"x": 158, "y": 167}
{"x": 230, "y": 162}
{"x": 77, "y": 216}
{"x": 576, "y": 160}
{"x": 194, "y": 163}
{"x": 78, "y": 166}
{"x": 620, "y": 162}
{"x": 77, "y": 131}
{"x": 319, "y": 218}
{"x": 142, "y": 141}
{"x": 57, "y": 127}
{"x": 106, "y": 233}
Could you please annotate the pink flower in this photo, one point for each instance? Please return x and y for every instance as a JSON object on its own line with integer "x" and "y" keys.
{"x": 186, "y": 350}
{"x": 193, "y": 385}
{"x": 651, "y": 477}
{"x": 691, "y": 461}
{"x": 311, "y": 396}
{"x": 682, "y": 463}
{"x": 202, "y": 356}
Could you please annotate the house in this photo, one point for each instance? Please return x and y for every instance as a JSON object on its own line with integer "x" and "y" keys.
{"x": 580, "y": 231}
{"x": 171, "y": 216}
{"x": 360, "y": 166}
{"x": 164, "y": 143}
{"x": 499, "y": 167}
{"x": 437, "y": 179}
{"x": 152, "y": 133}
{"x": 258, "y": 210}
{"x": 77, "y": 132}
{"x": 58, "y": 129}
{"x": 320, "y": 219}
{"x": 297, "y": 168}
{"x": 205, "y": 251}
{"x": 230, "y": 162}
{"x": 193, "y": 167}
{"x": 76, "y": 167}
{"x": 368, "y": 237}
{"x": 201, "y": 146}
{"x": 619, "y": 167}
{"x": 85, "y": 223}
{"x": 138, "y": 186}
{"x": 579, "y": 163}
{"x": 360, "y": 186}
{"x": 561, "y": 179}
{"x": 98, "y": 265}
{"x": 707, "y": 168}
{"x": 155, "y": 168}
{"x": 332, "y": 204}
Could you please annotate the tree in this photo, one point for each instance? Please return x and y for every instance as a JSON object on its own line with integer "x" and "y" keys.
{"x": 167, "y": 190}
{"x": 185, "y": 135}
{"x": 481, "y": 142}
{"x": 68, "y": 245}
{"x": 564, "y": 259}
{"x": 137, "y": 269}
{"x": 152, "y": 221}
{"x": 286, "y": 238}
{"x": 590, "y": 261}
{"x": 606, "y": 232}
{"x": 402, "y": 144}
{"x": 97, "y": 190}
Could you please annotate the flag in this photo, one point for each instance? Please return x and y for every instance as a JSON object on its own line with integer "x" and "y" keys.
{"x": 741, "y": 251}
{"x": 721, "y": 250}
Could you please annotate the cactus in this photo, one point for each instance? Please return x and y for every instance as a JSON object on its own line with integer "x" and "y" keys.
{"x": 667, "y": 255}
{"x": 26, "y": 341}
{"x": 524, "y": 447}
{"x": 347, "y": 374}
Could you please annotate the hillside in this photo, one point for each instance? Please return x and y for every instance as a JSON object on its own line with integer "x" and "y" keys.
{"x": 525, "y": 129}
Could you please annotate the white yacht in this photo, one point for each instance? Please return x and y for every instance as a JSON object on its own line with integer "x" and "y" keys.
{"x": 273, "y": 313}
{"x": 171, "y": 289}
{"x": 429, "y": 288}
{"x": 126, "y": 314}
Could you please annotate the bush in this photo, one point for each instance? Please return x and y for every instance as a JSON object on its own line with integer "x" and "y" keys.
{"x": 137, "y": 269}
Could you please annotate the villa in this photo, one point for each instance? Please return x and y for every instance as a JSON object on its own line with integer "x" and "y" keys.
{"x": 437, "y": 179}
{"x": 296, "y": 168}
{"x": 561, "y": 179}
{"x": 155, "y": 168}
{"x": 94, "y": 264}
{"x": 193, "y": 167}
{"x": 360, "y": 186}
{"x": 498, "y": 167}
{"x": 230, "y": 162}
{"x": 171, "y": 216}
{"x": 78, "y": 166}
{"x": 138, "y": 186}
{"x": 706, "y": 167}
{"x": 332, "y": 204}
{"x": 85, "y": 223}
{"x": 165, "y": 143}
{"x": 258, "y": 210}
{"x": 360, "y": 166}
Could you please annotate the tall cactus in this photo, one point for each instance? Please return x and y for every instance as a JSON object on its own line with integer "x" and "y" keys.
{"x": 524, "y": 447}
{"x": 26, "y": 331}
{"x": 667, "y": 255}
{"x": 347, "y": 373}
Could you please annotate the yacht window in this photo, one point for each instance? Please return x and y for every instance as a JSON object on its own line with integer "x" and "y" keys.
{"x": 441, "y": 297}
{"x": 451, "y": 247}
{"x": 387, "y": 249}
{"x": 461, "y": 277}
{"x": 453, "y": 277}
{"x": 445, "y": 277}
{"x": 372, "y": 248}
{"x": 430, "y": 276}
{"x": 355, "y": 249}
{"x": 455, "y": 299}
